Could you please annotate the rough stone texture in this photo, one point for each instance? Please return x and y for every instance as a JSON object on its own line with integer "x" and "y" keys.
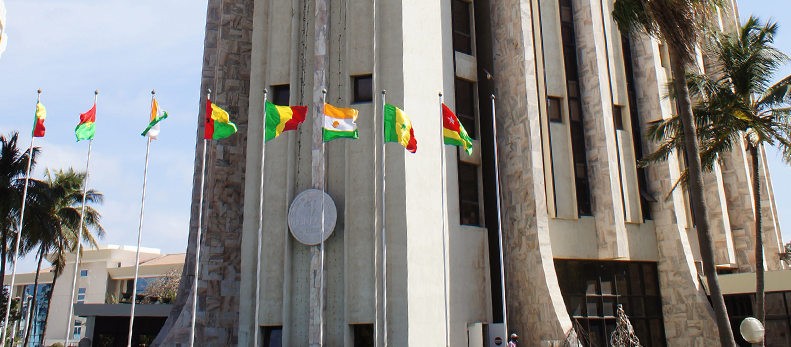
{"x": 738, "y": 188}
{"x": 687, "y": 314}
{"x": 724, "y": 253}
{"x": 538, "y": 305}
{"x": 600, "y": 141}
{"x": 218, "y": 286}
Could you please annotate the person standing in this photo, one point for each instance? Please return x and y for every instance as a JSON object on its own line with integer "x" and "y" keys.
{"x": 513, "y": 340}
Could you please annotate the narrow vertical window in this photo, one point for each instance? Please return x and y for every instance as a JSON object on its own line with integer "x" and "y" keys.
{"x": 575, "y": 108}
{"x": 465, "y": 106}
{"x": 280, "y": 94}
{"x": 468, "y": 194}
{"x": 637, "y": 139}
{"x": 273, "y": 336}
{"x": 553, "y": 109}
{"x": 363, "y": 89}
{"x": 462, "y": 26}
{"x": 617, "y": 116}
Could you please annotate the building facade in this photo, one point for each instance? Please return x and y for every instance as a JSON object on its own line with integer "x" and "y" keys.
{"x": 104, "y": 289}
{"x": 584, "y": 229}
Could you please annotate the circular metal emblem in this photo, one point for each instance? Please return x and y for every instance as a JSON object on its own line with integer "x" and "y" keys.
{"x": 304, "y": 216}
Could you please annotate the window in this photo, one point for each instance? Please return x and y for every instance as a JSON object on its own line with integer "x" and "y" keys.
{"x": 617, "y": 117}
{"x": 81, "y": 296}
{"x": 469, "y": 206}
{"x": 462, "y": 26}
{"x": 77, "y": 333}
{"x": 81, "y": 291}
{"x": 83, "y": 273}
{"x": 281, "y": 94}
{"x": 637, "y": 140}
{"x": 363, "y": 335}
{"x": 465, "y": 106}
{"x": 553, "y": 109}
{"x": 592, "y": 291}
{"x": 778, "y": 316}
{"x": 575, "y": 108}
{"x": 363, "y": 89}
{"x": 273, "y": 336}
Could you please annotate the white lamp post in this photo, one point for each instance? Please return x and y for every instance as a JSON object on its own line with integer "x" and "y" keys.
{"x": 752, "y": 330}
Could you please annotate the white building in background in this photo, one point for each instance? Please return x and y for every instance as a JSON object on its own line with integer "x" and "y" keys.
{"x": 105, "y": 278}
{"x": 3, "y": 36}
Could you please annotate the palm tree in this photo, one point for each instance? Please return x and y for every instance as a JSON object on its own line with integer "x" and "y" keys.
{"x": 737, "y": 102}
{"x": 54, "y": 225}
{"x": 679, "y": 24}
{"x": 13, "y": 166}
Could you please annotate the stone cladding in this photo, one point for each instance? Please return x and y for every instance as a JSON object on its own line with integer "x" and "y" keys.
{"x": 218, "y": 286}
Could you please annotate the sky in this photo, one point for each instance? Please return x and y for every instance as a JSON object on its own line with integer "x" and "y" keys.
{"x": 124, "y": 49}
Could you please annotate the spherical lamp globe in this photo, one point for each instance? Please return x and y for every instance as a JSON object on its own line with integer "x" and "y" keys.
{"x": 752, "y": 330}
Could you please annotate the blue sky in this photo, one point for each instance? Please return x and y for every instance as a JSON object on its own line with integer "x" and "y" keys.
{"x": 127, "y": 48}
{"x": 124, "y": 49}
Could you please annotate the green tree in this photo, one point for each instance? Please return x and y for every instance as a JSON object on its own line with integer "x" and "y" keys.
{"x": 54, "y": 224}
{"x": 680, "y": 24}
{"x": 13, "y": 166}
{"x": 735, "y": 102}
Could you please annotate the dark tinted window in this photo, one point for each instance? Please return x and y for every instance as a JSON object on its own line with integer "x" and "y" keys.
{"x": 281, "y": 94}
{"x": 462, "y": 26}
{"x": 363, "y": 335}
{"x": 468, "y": 194}
{"x": 363, "y": 89}
{"x": 465, "y": 106}
{"x": 553, "y": 109}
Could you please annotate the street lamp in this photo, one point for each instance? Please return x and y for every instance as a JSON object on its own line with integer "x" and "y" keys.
{"x": 752, "y": 330}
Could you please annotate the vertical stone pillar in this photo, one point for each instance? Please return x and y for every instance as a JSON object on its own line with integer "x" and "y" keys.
{"x": 737, "y": 182}
{"x": 724, "y": 253}
{"x": 321, "y": 57}
{"x": 535, "y": 305}
{"x": 600, "y": 140}
{"x": 687, "y": 314}
{"x": 227, "y": 72}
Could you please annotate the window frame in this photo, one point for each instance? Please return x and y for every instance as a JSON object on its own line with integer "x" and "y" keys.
{"x": 357, "y": 98}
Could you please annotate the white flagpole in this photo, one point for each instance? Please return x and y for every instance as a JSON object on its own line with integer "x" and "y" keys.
{"x": 499, "y": 217}
{"x": 384, "y": 227}
{"x": 79, "y": 237}
{"x": 323, "y": 189}
{"x": 139, "y": 237}
{"x": 444, "y": 227}
{"x": 198, "y": 240}
{"x": 18, "y": 235}
{"x": 260, "y": 229}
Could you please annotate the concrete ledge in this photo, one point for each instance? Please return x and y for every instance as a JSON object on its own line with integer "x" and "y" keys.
{"x": 122, "y": 310}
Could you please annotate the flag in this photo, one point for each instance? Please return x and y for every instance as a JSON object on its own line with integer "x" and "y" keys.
{"x": 282, "y": 118}
{"x": 218, "y": 125}
{"x": 157, "y": 115}
{"x": 87, "y": 127}
{"x": 38, "y": 125}
{"x": 454, "y": 132}
{"x": 3, "y": 36}
{"x": 339, "y": 123}
{"x": 398, "y": 128}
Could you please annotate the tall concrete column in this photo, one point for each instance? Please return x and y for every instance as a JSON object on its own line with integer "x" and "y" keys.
{"x": 321, "y": 57}
{"x": 687, "y": 314}
{"x": 600, "y": 140}
{"x": 535, "y": 305}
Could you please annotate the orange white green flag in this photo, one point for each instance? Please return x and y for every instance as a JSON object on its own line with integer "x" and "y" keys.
{"x": 38, "y": 125}
{"x": 157, "y": 115}
{"x": 453, "y": 132}
{"x": 398, "y": 128}
{"x": 339, "y": 123}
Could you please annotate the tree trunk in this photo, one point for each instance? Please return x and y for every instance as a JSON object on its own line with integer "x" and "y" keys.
{"x": 33, "y": 301}
{"x": 760, "y": 295}
{"x": 49, "y": 305}
{"x": 699, "y": 201}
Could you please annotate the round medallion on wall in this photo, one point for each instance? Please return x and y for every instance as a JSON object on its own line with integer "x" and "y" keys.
{"x": 304, "y": 216}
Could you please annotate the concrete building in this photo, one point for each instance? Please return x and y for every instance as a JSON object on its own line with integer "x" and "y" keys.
{"x": 584, "y": 228}
{"x": 104, "y": 282}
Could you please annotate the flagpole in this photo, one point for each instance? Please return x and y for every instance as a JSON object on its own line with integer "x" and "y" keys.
{"x": 79, "y": 237}
{"x": 444, "y": 227}
{"x": 499, "y": 217}
{"x": 19, "y": 230}
{"x": 384, "y": 229}
{"x": 323, "y": 189}
{"x": 139, "y": 236}
{"x": 198, "y": 240}
{"x": 260, "y": 228}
